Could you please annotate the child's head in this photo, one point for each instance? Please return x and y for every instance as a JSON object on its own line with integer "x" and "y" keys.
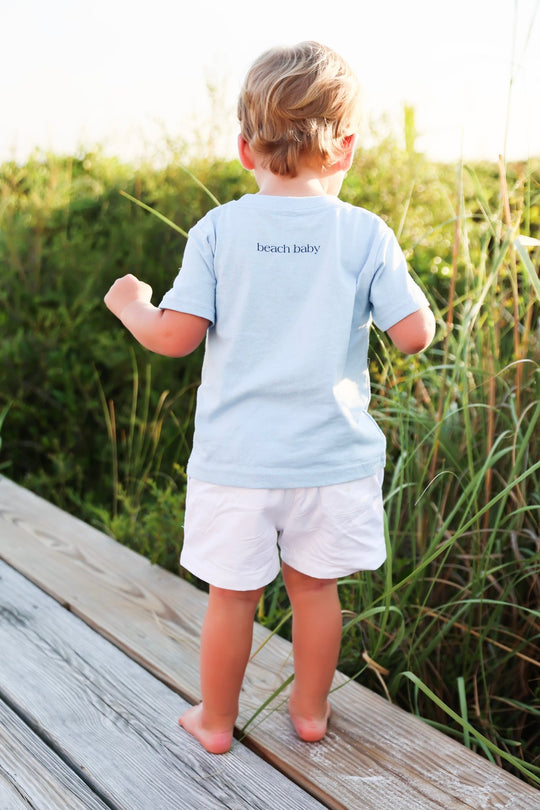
{"x": 299, "y": 102}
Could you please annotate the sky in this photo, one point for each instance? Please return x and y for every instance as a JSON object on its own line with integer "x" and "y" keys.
{"x": 128, "y": 75}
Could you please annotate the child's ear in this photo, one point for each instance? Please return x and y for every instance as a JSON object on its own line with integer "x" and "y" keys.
{"x": 349, "y": 145}
{"x": 344, "y": 162}
{"x": 245, "y": 154}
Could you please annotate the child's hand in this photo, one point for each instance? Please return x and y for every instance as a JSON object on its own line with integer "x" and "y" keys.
{"x": 124, "y": 291}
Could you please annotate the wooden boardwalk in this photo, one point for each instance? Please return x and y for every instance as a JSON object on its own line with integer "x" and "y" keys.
{"x": 98, "y": 657}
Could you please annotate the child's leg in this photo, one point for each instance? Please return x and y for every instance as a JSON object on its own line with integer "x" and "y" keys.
{"x": 317, "y": 626}
{"x": 225, "y": 648}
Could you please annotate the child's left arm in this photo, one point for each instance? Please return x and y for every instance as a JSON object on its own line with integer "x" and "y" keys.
{"x": 164, "y": 331}
{"x": 414, "y": 333}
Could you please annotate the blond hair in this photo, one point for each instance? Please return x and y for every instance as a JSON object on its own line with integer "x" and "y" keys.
{"x": 298, "y": 102}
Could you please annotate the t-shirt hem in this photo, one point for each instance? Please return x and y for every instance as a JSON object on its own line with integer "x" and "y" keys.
{"x": 189, "y": 307}
{"x": 283, "y": 479}
{"x": 400, "y": 313}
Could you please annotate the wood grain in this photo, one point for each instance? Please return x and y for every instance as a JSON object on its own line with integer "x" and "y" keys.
{"x": 113, "y": 722}
{"x": 33, "y": 776}
{"x": 375, "y": 755}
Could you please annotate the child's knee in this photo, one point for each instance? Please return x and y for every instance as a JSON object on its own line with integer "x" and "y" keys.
{"x": 297, "y": 582}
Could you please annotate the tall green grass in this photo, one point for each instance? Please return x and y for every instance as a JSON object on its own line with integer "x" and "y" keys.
{"x": 458, "y": 640}
{"x": 449, "y": 627}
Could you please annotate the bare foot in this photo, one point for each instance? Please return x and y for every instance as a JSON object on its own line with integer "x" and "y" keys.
{"x": 216, "y": 742}
{"x": 310, "y": 728}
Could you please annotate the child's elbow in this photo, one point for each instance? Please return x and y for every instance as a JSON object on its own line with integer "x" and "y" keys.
{"x": 179, "y": 335}
{"x": 414, "y": 334}
{"x": 420, "y": 341}
{"x": 416, "y": 346}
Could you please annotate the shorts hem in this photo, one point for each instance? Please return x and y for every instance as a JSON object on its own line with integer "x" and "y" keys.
{"x": 228, "y": 582}
{"x": 339, "y": 573}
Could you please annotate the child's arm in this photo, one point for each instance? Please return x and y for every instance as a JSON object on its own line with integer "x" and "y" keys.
{"x": 415, "y": 332}
{"x": 164, "y": 331}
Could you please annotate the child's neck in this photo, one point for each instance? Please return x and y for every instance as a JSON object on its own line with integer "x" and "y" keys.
{"x": 307, "y": 183}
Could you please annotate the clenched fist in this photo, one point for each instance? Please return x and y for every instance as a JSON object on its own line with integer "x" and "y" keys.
{"x": 124, "y": 291}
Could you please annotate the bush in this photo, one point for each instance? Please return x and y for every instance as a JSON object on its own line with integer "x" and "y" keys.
{"x": 448, "y": 628}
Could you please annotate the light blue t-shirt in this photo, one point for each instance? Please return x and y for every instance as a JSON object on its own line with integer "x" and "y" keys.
{"x": 291, "y": 286}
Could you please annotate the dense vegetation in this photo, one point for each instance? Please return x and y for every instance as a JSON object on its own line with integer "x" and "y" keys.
{"x": 449, "y": 627}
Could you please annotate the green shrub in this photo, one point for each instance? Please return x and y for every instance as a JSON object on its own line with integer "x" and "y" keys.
{"x": 449, "y": 627}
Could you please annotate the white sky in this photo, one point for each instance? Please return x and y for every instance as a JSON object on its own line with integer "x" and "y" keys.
{"x": 123, "y": 73}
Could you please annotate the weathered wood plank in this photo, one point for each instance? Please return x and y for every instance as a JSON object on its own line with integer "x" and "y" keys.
{"x": 113, "y": 721}
{"x": 33, "y": 776}
{"x": 375, "y": 755}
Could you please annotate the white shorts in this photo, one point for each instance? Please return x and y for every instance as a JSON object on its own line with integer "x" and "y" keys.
{"x": 233, "y": 536}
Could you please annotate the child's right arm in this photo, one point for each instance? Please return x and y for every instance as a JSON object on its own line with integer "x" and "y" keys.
{"x": 164, "y": 331}
{"x": 414, "y": 333}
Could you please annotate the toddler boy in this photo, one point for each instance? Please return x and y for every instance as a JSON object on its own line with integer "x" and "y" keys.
{"x": 286, "y": 466}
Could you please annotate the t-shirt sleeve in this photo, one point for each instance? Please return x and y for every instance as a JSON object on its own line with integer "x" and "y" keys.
{"x": 194, "y": 289}
{"x": 393, "y": 293}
